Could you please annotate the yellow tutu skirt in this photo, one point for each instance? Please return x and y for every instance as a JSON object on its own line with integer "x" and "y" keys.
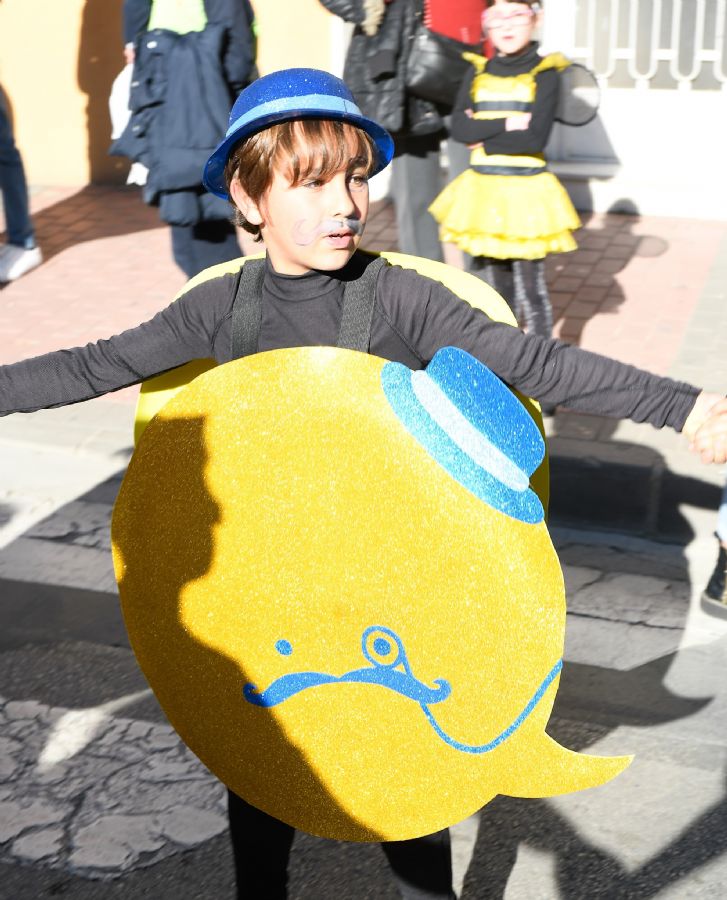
{"x": 506, "y": 216}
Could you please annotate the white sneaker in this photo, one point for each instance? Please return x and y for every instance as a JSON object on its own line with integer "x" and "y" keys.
{"x": 16, "y": 261}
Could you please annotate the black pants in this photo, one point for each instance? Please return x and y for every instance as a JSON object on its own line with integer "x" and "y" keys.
{"x": 261, "y": 846}
{"x": 522, "y": 284}
{"x": 204, "y": 244}
{"x": 415, "y": 182}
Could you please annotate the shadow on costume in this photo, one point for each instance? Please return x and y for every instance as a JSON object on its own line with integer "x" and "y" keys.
{"x": 181, "y": 545}
{"x": 584, "y": 284}
{"x": 69, "y": 632}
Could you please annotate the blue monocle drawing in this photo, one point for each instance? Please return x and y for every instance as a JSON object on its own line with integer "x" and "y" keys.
{"x": 389, "y": 668}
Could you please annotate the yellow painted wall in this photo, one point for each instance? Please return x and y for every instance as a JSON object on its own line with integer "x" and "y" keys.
{"x": 58, "y": 59}
{"x": 292, "y": 33}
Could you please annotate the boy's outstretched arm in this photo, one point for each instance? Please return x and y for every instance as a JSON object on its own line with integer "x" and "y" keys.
{"x": 181, "y": 332}
{"x": 551, "y": 370}
{"x": 706, "y": 428}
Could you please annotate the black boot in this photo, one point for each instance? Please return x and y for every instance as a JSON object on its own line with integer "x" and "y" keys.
{"x": 714, "y": 598}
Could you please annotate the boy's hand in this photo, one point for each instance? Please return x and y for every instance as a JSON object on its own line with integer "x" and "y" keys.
{"x": 706, "y": 428}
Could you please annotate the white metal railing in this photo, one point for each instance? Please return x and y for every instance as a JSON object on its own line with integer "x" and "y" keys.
{"x": 653, "y": 44}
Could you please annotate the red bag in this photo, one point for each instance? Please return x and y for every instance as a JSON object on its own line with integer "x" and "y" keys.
{"x": 460, "y": 20}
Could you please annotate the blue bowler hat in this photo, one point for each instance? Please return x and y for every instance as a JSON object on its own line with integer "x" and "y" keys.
{"x": 473, "y": 426}
{"x": 282, "y": 97}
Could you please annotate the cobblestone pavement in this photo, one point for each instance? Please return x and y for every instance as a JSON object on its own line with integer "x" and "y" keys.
{"x": 98, "y": 794}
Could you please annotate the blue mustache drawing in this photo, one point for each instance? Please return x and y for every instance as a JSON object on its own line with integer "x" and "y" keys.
{"x": 382, "y": 671}
{"x": 386, "y": 654}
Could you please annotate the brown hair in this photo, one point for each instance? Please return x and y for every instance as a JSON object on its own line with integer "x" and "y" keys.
{"x": 310, "y": 147}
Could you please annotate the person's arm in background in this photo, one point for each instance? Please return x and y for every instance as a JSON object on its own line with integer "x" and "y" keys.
{"x": 135, "y": 18}
{"x": 368, "y": 15}
{"x": 238, "y": 57}
{"x": 521, "y": 133}
{"x": 354, "y": 11}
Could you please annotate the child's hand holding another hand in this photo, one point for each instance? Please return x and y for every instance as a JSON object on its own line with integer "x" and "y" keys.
{"x": 706, "y": 428}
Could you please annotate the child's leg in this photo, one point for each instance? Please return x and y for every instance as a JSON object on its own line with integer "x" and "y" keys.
{"x": 414, "y": 185}
{"x": 261, "y": 847}
{"x": 532, "y": 297}
{"x": 498, "y": 274}
{"x": 422, "y": 867}
{"x": 204, "y": 244}
{"x": 13, "y": 187}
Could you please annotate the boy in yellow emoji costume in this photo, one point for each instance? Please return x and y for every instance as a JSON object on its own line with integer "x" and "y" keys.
{"x": 368, "y": 665}
{"x": 295, "y": 164}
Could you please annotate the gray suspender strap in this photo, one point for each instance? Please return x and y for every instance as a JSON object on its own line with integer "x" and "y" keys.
{"x": 359, "y": 299}
{"x": 247, "y": 308}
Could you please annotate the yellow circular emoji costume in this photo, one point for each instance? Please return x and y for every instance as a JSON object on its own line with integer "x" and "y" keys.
{"x": 340, "y": 587}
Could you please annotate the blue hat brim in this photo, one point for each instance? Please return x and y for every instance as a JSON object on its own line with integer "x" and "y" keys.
{"x": 214, "y": 171}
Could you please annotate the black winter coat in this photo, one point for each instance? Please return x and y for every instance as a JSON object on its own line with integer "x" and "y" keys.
{"x": 375, "y": 68}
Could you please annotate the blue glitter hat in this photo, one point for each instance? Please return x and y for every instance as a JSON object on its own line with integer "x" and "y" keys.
{"x": 473, "y": 426}
{"x": 282, "y": 97}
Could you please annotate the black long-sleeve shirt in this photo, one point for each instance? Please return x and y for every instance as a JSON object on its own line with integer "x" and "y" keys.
{"x": 492, "y": 131}
{"x": 413, "y": 317}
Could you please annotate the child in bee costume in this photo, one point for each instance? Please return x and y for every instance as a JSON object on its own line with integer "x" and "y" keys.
{"x": 507, "y": 210}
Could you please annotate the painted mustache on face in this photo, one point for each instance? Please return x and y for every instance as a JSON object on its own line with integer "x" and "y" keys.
{"x": 304, "y": 235}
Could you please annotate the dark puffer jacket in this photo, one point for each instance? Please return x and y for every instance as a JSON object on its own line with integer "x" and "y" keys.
{"x": 375, "y": 68}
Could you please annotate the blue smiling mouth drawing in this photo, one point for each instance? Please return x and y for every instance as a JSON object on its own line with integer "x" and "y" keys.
{"x": 390, "y": 669}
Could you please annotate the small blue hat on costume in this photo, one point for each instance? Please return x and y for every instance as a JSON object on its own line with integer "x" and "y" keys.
{"x": 473, "y": 426}
{"x": 282, "y": 97}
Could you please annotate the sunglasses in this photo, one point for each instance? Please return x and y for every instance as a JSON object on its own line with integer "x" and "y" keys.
{"x": 493, "y": 20}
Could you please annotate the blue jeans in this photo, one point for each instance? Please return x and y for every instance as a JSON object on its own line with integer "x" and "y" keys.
{"x": 13, "y": 186}
{"x": 204, "y": 244}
